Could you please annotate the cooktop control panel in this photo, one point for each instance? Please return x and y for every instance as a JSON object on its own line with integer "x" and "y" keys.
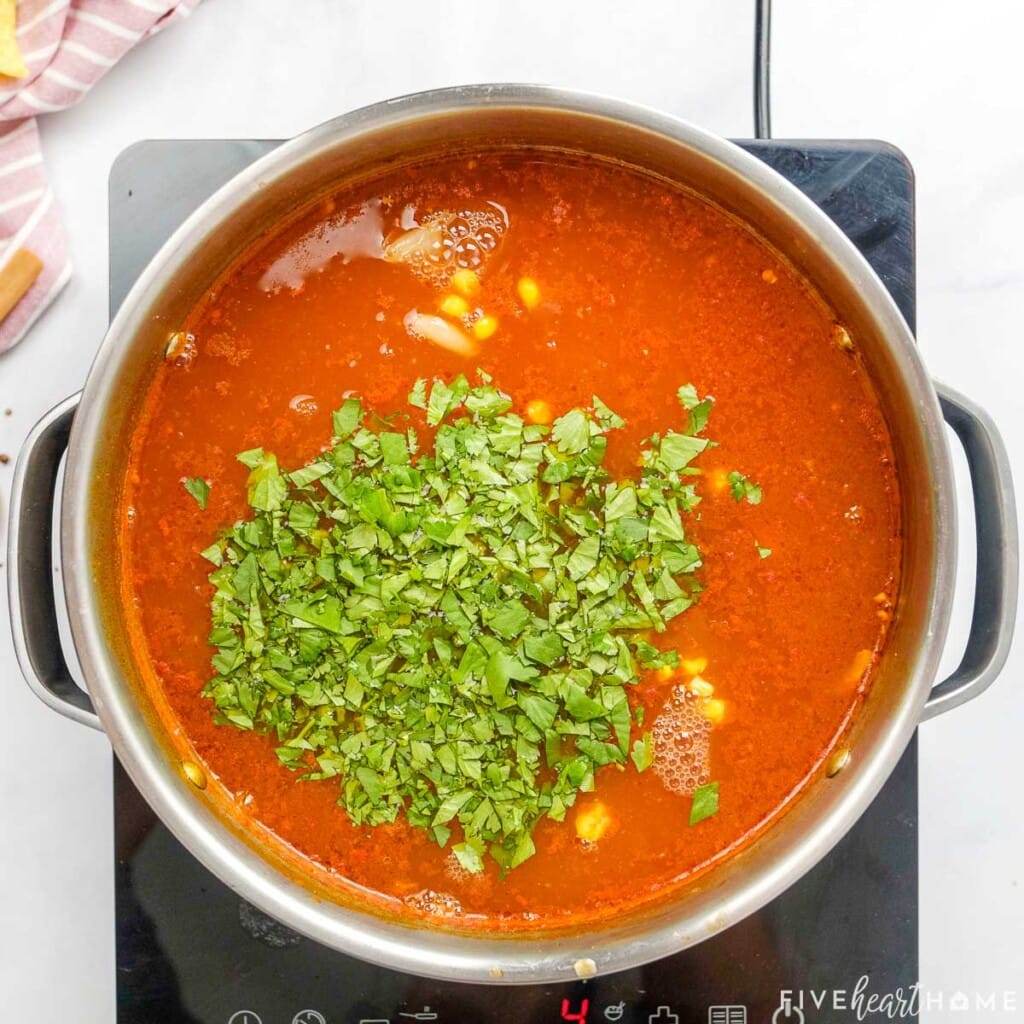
{"x": 583, "y": 1010}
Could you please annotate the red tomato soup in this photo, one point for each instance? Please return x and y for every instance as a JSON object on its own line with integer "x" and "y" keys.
{"x": 587, "y": 279}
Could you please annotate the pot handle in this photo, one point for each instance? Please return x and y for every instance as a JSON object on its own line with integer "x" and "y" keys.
{"x": 30, "y": 568}
{"x": 995, "y": 586}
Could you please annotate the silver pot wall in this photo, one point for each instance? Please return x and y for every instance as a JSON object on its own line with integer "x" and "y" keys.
{"x": 360, "y": 143}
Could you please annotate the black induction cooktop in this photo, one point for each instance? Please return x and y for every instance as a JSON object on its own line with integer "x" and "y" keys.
{"x": 189, "y": 950}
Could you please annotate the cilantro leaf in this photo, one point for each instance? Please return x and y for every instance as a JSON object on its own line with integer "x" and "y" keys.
{"x": 267, "y": 488}
{"x": 688, "y": 397}
{"x": 698, "y": 408}
{"x": 643, "y": 752}
{"x": 509, "y": 620}
{"x": 571, "y": 432}
{"x": 744, "y": 488}
{"x": 705, "y": 803}
{"x": 468, "y": 855}
{"x": 394, "y": 448}
{"x": 346, "y": 419}
{"x": 198, "y": 488}
{"x": 213, "y": 553}
{"x": 678, "y": 450}
{"x": 251, "y": 458}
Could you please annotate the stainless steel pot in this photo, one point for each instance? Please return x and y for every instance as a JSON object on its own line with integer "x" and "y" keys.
{"x": 409, "y": 128}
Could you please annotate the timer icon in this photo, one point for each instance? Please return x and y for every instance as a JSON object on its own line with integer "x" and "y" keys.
{"x": 309, "y": 1017}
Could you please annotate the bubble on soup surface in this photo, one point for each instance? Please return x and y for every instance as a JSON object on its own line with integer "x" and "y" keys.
{"x": 181, "y": 349}
{"x": 440, "y": 904}
{"x": 682, "y": 744}
{"x": 447, "y": 241}
{"x": 454, "y": 869}
{"x": 305, "y": 405}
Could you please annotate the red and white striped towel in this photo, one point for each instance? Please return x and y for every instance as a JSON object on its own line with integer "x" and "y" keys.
{"x": 68, "y": 45}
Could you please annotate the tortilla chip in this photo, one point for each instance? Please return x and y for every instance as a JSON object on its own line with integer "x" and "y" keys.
{"x": 11, "y": 62}
{"x": 17, "y": 275}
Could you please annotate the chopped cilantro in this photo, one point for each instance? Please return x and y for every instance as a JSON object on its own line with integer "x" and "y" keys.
{"x": 744, "y": 488}
{"x": 643, "y": 752}
{"x": 705, "y": 803}
{"x": 198, "y": 488}
{"x": 688, "y": 397}
{"x": 763, "y": 552}
{"x": 698, "y": 408}
{"x": 451, "y": 632}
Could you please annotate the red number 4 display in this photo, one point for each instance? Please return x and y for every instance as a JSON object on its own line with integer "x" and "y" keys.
{"x": 579, "y": 1017}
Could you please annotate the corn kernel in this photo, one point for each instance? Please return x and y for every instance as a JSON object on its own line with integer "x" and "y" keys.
{"x": 593, "y": 821}
{"x": 718, "y": 480}
{"x": 664, "y": 674}
{"x": 837, "y": 762}
{"x": 859, "y": 666}
{"x": 841, "y": 337}
{"x": 769, "y": 276}
{"x": 528, "y": 292}
{"x": 585, "y": 968}
{"x": 466, "y": 283}
{"x": 701, "y": 687}
{"x": 485, "y": 326}
{"x": 194, "y": 774}
{"x": 454, "y": 305}
{"x": 713, "y": 710}
{"x": 538, "y": 411}
{"x": 694, "y": 666}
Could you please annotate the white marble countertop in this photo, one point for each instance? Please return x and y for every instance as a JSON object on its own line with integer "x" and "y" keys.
{"x": 945, "y": 89}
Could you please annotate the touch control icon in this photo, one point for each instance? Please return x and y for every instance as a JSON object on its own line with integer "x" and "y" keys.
{"x": 663, "y": 1015}
{"x": 245, "y": 1017}
{"x": 614, "y": 1011}
{"x": 787, "y": 1013}
{"x": 727, "y": 1015}
{"x": 309, "y": 1017}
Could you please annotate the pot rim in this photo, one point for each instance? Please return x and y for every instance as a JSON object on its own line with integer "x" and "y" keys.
{"x": 465, "y": 957}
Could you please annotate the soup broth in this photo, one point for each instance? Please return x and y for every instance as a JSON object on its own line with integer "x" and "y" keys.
{"x": 561, "y": 278}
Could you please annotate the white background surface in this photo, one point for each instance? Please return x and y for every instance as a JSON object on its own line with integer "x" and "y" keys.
{"x": 939, "y": 79}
